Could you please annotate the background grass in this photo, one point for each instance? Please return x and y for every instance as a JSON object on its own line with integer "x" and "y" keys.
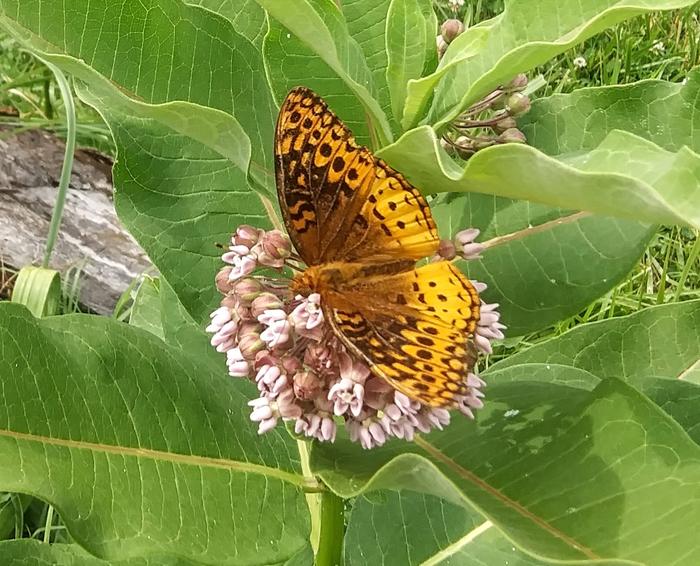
{"x": 661, "y": 46}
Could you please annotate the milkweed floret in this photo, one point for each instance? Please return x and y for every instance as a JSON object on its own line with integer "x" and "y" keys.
{"x": 303, "y": 372}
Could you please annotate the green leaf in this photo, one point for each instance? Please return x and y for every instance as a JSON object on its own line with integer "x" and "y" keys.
{"x": 366, "y": 21}
{"x": 173, "y": 53}
{"x": 608, "y": 475}
{"x": 538, "y": 262}
{"x": 321, "y": 26}
{"x": 27, "y": 552}
{"x": 145, "y": 311}
{"x": 291, "y": 63}
{"x": 405, "y": 528}
{"x": 408, "y": 38}
{"x": 247, "y": 17}
{"x": 658, "y": 111}
{"x": 179, "y": 199}
{"x": 624, "y": 176}
{"x": 511, "y": 47}
{"x": 152, "y": 452}
{"x": 660, "y": 341}
{"x": 181, "y": 176}
{"x": 420, "y": 91}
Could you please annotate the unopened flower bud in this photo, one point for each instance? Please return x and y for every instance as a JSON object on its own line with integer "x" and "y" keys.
{"x": 450, "y": 29}
{"x": 249, "y": 327}
{"x": 265, "y": 301}
{"x": 229, "y": 301}
{"x": 306, "y": 385}
{"x": 518, "y": 104}
{"x": 505, "y": 124}
{"x": 274, "y": 248}
{"x": 291, "y": 364}
{"x": 441, "y": 46}
{"x": 250, "y": 344}
{"x": 464, "y": 142}
{"x": 447, "y": 249}
{"x": 223, "y": 284}
{"x": 518, "y": 83}
{"x": 247, "y": 289}
{"x": 447, "y": 146}
{"x": 246, "y": 236}
{"x": 512, "y": 135}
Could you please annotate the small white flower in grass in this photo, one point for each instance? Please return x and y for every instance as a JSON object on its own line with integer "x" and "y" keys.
{"x": 659, "y": 48}
{"x": 580, "y": 62}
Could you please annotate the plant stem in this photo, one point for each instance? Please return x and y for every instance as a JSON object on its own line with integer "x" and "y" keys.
{"x": 330, "y": 547}
{"x": 694, "y": 252}
{"x": 48, "y": 524}
{"x": 69, "y": 106}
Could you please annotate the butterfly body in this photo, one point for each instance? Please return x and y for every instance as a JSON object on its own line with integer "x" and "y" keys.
{"x": 360, "y": 227}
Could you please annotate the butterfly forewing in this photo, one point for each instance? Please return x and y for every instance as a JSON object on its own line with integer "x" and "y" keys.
{"x": 339, "y": 201}
{"x": 362, "y": 227}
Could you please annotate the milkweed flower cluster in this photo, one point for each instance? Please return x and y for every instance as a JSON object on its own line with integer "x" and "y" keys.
{"x": 302, "y": 370}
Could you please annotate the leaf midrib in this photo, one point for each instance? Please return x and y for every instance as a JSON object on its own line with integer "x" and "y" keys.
{"x": 510, "y": 503}
{"x": 161, "y": 456}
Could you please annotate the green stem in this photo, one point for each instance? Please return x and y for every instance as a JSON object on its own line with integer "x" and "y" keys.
{"x": 330, "y": 548}
{"x": 69, "y": 106}
{"x": 48, "y": 524}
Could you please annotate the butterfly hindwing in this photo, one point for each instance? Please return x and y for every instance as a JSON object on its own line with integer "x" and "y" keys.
{"x": 340, "y": 202}
{"x": 413, "y": 328}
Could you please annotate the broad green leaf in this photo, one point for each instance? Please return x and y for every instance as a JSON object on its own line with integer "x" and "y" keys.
{"x": 145, "y": 311}
{"x": 420, "y": 91}
{"x": 608, "y": 474}
{"x": 291, "y": 63}
{"x": 175, "y": 52}
{"x": 152, "y": 453}
{"x": 658, "y": 111}
{"x": 625, "y": 176}
{"x": 538, "y": 262}
{"x": 179, "y": 199}
{"x": 408, "y": 36}
{"x": 660, "y": 341}
{"x": 405, "y": 528}
{"x": 247, "y": 17}
{"x": 321, "y": 26}
{"x": 530, "y": 33}
{"x": 679, "y": 398}
{"x": 28, "y": 552}
{"x": 366, "y": 21}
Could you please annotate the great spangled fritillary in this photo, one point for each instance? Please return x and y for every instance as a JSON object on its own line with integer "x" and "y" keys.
{"x": 360, "y": 227}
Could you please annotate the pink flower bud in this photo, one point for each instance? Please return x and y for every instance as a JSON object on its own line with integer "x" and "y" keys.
{"x": 263, "y": 302}
{"x": 223, "y": 283}
{"x": 447, "y": 250}
{"x": 512, "y": 135}
{"x": 518, "y": 83}
{"x": 246, "y": 236}
{"x": 246, "y": 290}
{"x": 507, "y": 123}
{"x": 273, "y": 248}
{"x": 250, "y": 344}
{"x": 450, "y": 29}
{"x": 306, "y": 385}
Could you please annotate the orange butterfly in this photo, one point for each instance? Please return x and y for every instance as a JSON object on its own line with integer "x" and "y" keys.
{"x": 360, "y": 227}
